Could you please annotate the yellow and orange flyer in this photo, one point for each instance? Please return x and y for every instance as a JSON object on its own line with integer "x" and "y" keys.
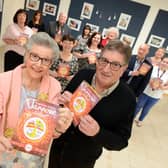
{"x": 35, "y": 127}
{"x": 63, "y": 70}
{"x": 92, "y": 58}
{"x": 83, "y": 100}
{"x": 144, "y": 68}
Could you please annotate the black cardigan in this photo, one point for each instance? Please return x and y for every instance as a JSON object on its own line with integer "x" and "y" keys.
{"x": 114, "y": 113}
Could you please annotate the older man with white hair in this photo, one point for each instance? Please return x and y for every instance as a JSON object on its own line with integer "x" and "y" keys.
{"x": 112, "y": 33}
{"x": 58, "y": 28}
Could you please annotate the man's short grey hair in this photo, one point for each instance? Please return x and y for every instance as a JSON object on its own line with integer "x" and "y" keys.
{"x": 43, "y": 39}
{"x": 119, "y": 46}
{"x": 113, "y": 29}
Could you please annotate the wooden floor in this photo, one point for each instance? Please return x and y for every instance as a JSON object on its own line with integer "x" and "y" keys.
{"x": 148, "y": 146}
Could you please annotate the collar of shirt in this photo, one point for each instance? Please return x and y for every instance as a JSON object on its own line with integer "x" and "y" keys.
{"x": 106, "y": 92}
{"x": 138, "y": 63}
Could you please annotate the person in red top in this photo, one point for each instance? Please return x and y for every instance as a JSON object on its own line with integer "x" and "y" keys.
{"x": 112, "y": 33}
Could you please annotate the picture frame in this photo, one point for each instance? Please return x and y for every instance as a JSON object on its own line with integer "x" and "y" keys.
{"x": 156, "y": 41}
{"x": 104, "y": 33}
{"x": 33, "y": 4}
{"x": 123, "y": 21}
{"x": 128, "y": 39}
{"x": 167, "y": 49}
{"x": 49, "y": 9}
{"x": 87, "y": 10}
{"x": 94, "y": 28}
{"x": 74, "y": 24}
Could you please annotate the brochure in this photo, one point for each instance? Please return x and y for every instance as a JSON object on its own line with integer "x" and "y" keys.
{"x": 83, "y": 100}
{"x": 35, "y": 127}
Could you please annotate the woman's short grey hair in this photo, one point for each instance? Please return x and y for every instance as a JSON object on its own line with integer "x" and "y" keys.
{"x": 113, "y": 29}
{"x": 43, "y": 39}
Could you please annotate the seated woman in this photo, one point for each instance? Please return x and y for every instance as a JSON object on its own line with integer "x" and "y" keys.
{"x": 66, "y": 66}
{"x": 15, "y": 37}
{"x": 82, "y": 39}
{"x": 30, "y": 79}
{"x": 36, "y": 23}
{"x": 91, "y": 52}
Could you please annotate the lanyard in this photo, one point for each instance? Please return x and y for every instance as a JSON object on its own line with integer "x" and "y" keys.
{"x": 161, "y": 75}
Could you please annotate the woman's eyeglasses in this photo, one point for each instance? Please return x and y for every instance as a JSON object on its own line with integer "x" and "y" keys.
{"x": 35, "y": 58}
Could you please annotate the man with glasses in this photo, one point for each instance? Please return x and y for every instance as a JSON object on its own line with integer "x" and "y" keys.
{"x": 109, "y": 123}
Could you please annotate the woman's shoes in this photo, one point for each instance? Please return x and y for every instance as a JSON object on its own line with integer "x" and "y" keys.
{"x": 138, "y": 123}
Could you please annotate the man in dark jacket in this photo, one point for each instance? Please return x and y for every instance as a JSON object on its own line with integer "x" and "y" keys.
{"x": 58, "y": 28}
{"x": 109, "y": 123}
{"x": 132, "y": 76}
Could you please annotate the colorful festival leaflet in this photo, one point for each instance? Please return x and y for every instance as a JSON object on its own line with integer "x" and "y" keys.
{"x": 83, "y": 100}
{"x": 35, "y": 127}
{"x": 144, "y": 68}
{"x": 23, "y": 39}
{"x": 63, "y": 70}
{"x": 92, "y": 58}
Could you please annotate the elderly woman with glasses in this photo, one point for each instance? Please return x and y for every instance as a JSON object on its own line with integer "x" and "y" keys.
{"x": 30, "y": 79}
{"x": 109, "y": 123}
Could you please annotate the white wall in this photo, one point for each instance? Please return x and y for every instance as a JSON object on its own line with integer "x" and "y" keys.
{"x": 64, "y": 6}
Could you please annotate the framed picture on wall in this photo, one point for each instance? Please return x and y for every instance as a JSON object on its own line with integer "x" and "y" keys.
{"x": 156, "y": 41}
{"x": 123, "y": 21}
{"x": 94, "y": 28}
{"x": 104, "y": 33}
{"x": 74, "y": 24}
{"x": 33, "y": 4}
{"x": 49, "y": 8}
{"x": 167, "y": 49}
{"x": 87, "y": 10}
{"x": 127, "y": 39}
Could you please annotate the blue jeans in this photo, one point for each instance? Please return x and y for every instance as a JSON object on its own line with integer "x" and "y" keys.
{"x": 144, "y": 103}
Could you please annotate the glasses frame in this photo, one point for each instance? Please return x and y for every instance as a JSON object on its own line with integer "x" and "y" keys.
{"x": 35, "y": 58}
{"x": 115, "y": 66}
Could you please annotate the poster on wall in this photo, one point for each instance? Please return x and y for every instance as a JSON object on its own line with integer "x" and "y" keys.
{"x": 94, "y": 28}
{"x": 123, "y": 21}
{"x": 87, "y": 10}
{"x": 74, "y": 24}
{"x": 156, "y": 41}
{"x": 33, "y": 4}
{"x": 167, "y": 49}
{"x": 104, "y": 32}
{"x": 127, "y": 39}
{"x": 49, "y": 9}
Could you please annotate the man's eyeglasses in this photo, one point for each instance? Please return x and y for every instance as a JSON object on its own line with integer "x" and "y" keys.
{"x": 115, "y": 66}
{"x": 35, "y": 58}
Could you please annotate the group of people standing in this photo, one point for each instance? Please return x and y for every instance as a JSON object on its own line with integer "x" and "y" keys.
{"x": 107, "y": 65}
